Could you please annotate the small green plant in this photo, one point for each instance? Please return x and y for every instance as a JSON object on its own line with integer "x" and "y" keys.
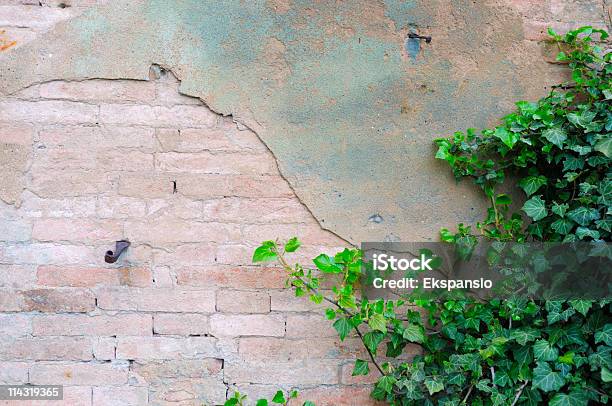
{"x": 280, "y": 398}
{"x": 498, "y": 352}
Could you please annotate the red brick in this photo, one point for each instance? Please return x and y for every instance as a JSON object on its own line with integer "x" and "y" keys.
{"x": 157, "y": 299}
{"x": 91, "y": 373}
{"x": 88, "y": 277}
{"x": 17, "y": 276}
{"x": 285, "y": 349}
{"x": 347, "y": 378}
{"x": 34, "y": 206}
{"x": 46, "y": 349}
{"x": 180, "y": 324}
{"x": 286, "y": 301}
{"x": 194, "y": 391}
{"x": 126, "y": 395}
{"x": 184, "y": 368}
{"x": 247, "y": 325}
{"x": 159, "y": 348}
{"x": 236, "y": 301}
{"x": 15, "y": 325}
{"x": 76, "y": 230}
{"x": 45, "y": 253}
{"x": 339, "y": 396}
{"x": 47, "y": 300}
{"x": 100, "y": 325}
{"x": 167, "y": 230}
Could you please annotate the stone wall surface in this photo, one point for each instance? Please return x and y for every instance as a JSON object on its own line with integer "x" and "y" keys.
{"x": 184, "y": 317}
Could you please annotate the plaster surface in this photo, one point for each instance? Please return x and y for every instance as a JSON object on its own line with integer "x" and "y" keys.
{"x": 345, "y": 102}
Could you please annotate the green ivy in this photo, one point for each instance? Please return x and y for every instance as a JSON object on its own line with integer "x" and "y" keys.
{"x": 498, "y": 352}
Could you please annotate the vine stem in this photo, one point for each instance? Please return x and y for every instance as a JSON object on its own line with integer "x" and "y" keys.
{"x": 288, "y": 268}
{"x": 467, "y": 395}
{"x": 518, "y": 393}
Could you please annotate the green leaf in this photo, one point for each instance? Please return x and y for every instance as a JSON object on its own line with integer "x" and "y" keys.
{"x": 386, "y": 383}
{"x": 378, "y": 322}
{"x": 326, "y": 264}
{"x": 535, "y": 208}
{"x": 279, "y": 397}
{"x": 507, "y": 137}
{"x": 524, "y": 335}
{"x": 604, "y": 335}
{"x": 308, "y": 403}
{"x": 546, "y": 379}
{"x": 231, "y": 402}
{"x": 433, "y": 385}
{"x": 562, "y": 226}
{"x": 582, "y": 232}
{"x": 262, "y": 402}
{"x": 604, "y": 146}
{"x": 414, "y": 333}
{"x": 361, "y": 367}
{"x": 544, "y": 351}
{"x": 372, "y": 340}
{"x": 559, "y": 209}
{"x": 292, "y": 245}
{"x": 555, "y": 135}
{"x": 573, "y": 398}
{"x": 265, "y": 252}
{"x": 583, "y": 215}
{"x": 343, "y": 327}
{"x": 503, "y": 199}
{"x": 531, "y": 184}
{"x": 606, "y": 375}
{"x": 581, "y": 306}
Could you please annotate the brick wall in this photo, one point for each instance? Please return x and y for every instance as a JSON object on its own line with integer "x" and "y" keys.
{"x": 184, "y": 317}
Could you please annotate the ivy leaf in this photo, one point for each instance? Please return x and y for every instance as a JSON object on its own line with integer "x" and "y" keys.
{"x": 544, "y": 351}
{"x": 262, "y": 402}
{"x": 581, "y": 306}
{"x": 372, "y": 340}
{"x": 507, "y": 137}
{"x": 606, "y": 375}
{"x": 531, "y": 184}
{"x": 535, "y": 208}
{"x": 378, "y": 322}
{"x": 343, "y": 327}
{"x": 414, "y": 333}
{"x": 559, "y": 209}
{"x": 583, "y": 215}
{"x": 605, "y": 335}
{"x": 433, "y": 385}
{"x": 582, "y": 232}
{"x": 292, "y": 245}
{"x": 556, "y": 136}
{"x": 562, "y": 226}
{"x": 524, "y": 335}
{"x": 265, "y": 252}
{"x": 326, "y": 264}
{"x": 361, "y": 368}
{"x": 386, "y": 383}
{"x": 279, "y": 397}
{"x": 546, "y": 379}
{"x": 604, "y": 146}
{"x": 574, "y": 398}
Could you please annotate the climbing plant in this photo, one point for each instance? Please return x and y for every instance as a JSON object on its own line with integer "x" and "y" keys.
{"x": 518, "y": 351}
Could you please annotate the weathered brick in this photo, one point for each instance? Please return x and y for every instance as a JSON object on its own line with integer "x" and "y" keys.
{"x": 48, "y": 112}
{"x": 194, "y": 140}
{"x": 286, "y": 301}
{"x": 91, "y": 373}
{"x": 56, "y": 184}
{"x": 68, "y": 229}
{"x": 17, "y": 276}
{"x": 16, "y": 133}
{"x": 184, "y": 368}
{"x": 232, "y": 276}
{"x": 181, "y": 324}
{"x": 208, "y": 253}
{"x": 104, "y": 348}
{"x": 98, "y": 138}
{"x": 309, "y": 233}
{"x": 314, "y": 326}
{"x": 34, "y": 17}
{"x": 120, "y": 395}
{"x": 240, "y": 301}
{"x": 34, "y": 206}
{"x": 194, "y": 391}
{"x": 215, "y": 163}
{"x": 247, "y": 325}
{"x": 168, "y": 94}
{"x": 99, "y": 90}
{"x": 347, "y": 378}
{"x": 146, "y": 185}
{"x": 256, "y": 211}
{"x": 178, "y": 206}
{"x": 47, "y": 253}
{"x": 47, "y": 300}
{"x": 285, "y": 349}
{"x": 339, "y": 396}
{"x": 124, "y": 161}
{"x": 120, "y": 207}
{"x": 46, "y": 349}
{"x": 303, "y": 372}
{"x": 127, "y": 114}
{"x": 159, "y": 348}
{"x": 167, "y": 230}
{"x": 15, "y": 231}
{"x": 579, "y": 10}
{"x": 15, "y": 325}
{"x": 185, "y": 116}
{"x": 100, "y": 325}
{"x": 13, "y": 372}
{"x": 78, "y": 276}
{"x": 163, "y": 277}
{"x": 157, "y": 299}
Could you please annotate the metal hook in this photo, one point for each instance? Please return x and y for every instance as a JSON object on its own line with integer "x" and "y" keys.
{"x": 120, "y": 246}
{"x": 417, "y": 36}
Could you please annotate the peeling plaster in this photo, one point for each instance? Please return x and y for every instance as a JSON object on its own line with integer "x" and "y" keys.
{"x": 328, "y": 86}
